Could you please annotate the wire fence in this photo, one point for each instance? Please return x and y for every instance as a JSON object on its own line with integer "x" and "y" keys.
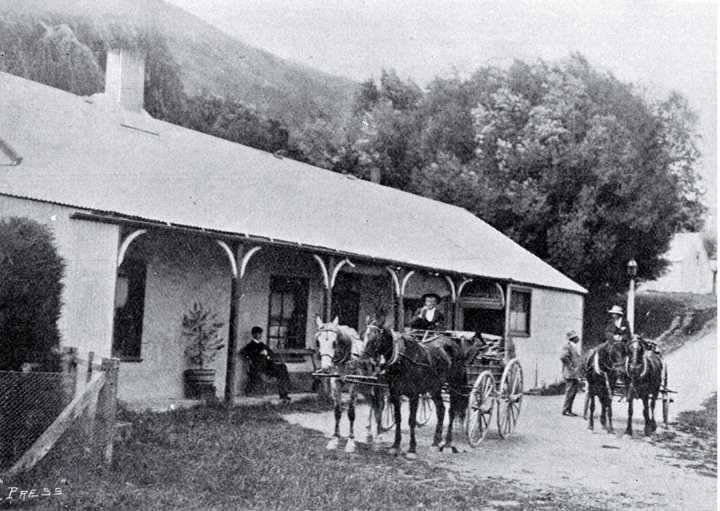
{"x": 62, "y": 419}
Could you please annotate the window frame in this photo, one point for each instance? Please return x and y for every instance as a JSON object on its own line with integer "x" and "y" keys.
{"x": 302, "y": 284}
{"x": 512, "y": 318}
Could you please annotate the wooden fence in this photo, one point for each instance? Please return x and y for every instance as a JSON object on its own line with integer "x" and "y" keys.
{"x": 91, "y": 412}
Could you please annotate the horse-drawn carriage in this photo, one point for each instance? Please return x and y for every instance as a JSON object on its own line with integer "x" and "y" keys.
{"x": 487, "y": 381}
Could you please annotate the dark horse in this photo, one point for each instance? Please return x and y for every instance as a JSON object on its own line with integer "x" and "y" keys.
{"x": 340, "y": 348}
{"x": 603, "y": 366}
{"x": 413, "y": 368}
{"x": 643, "y": 368}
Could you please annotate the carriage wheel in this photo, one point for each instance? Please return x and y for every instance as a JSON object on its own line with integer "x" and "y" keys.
{"x": 425, "y": 409}
{"x": 665, "y": 397}
{"x": 480, "y": 407}
{"x": 387, "y": 418}
{"x": 509, "y": 398}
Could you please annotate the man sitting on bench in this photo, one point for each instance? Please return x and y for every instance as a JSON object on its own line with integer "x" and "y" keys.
{"x": 262, "y": 360}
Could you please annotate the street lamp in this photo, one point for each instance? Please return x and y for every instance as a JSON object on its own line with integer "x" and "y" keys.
{"x": 632, "y": 273}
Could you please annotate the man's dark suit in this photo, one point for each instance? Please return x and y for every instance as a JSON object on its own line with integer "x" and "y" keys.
{"x": 611, "y": 330}
{"x": 261, "y": 361}
{"x": 419, "y": 321}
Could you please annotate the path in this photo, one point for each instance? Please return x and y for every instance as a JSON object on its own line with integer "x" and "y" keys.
{"x": 548, "y": 450}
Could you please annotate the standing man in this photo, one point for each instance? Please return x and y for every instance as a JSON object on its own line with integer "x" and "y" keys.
{"x": 618, "y": 328}
{"x": 428, "y": 317}
{"x": 261, "y": 360}
{"x": 570, "y": 359}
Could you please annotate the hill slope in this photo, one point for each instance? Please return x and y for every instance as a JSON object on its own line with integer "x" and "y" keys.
{"x": 211, "y": 61}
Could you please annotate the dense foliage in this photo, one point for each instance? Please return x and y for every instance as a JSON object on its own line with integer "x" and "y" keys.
{"x": 31, "y": 273}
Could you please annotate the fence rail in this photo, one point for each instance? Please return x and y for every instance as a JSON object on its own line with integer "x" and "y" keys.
{"x": 63, "y": 412}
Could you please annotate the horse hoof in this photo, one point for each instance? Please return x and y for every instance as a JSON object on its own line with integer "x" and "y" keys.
{"x": 332, "y": 444}
{"x": 350, "y": 446}
{"x": 591, "y": 428}
{"x": 411, "y": 456}
{"x": 394, "y": 451}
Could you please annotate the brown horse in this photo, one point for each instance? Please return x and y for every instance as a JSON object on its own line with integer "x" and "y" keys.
{"x": 643, "y": 368}
{"x": 339, "y": 347}
{"x": 413, "y": 368}
{"x": 603, "y": 365}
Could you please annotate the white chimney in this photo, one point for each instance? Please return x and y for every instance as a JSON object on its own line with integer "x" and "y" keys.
{"x": 125, "y": 78}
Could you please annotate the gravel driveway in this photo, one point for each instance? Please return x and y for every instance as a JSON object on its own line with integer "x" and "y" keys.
{"x": 548, "y": 450}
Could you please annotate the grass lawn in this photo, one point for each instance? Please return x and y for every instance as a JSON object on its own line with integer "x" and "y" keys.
{"x": 211, "y": 458}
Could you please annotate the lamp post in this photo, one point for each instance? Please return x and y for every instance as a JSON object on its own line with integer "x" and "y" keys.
{"x": 632, "y": 273}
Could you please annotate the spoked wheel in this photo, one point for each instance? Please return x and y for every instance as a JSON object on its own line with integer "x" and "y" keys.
{"x": 425, "y": 409}
{"x": 388, "y": 415}
{"x": 665, "y": 397}
{"x": 480, "y": 407}
{"x": 509, "y": 398}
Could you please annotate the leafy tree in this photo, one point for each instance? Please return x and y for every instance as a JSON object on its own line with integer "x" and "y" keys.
{"x": 31, "y": 272}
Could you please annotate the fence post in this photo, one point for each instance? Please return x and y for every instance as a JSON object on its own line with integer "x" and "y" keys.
{"x": 91, "y": 355}
{"x": 108, "y": 405}
{"x": 68, "y": 366}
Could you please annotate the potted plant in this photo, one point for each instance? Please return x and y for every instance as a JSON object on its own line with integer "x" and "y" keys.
{"x": 200, "y": 329}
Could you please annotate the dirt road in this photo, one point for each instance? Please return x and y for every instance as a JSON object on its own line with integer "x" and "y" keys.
{"x": 548, "y": 450}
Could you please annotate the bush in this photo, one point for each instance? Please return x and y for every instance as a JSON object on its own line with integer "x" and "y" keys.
{"x": 31, "y": 273}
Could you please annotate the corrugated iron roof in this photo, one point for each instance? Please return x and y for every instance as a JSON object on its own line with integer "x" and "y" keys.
{"x": 88, "y": 153}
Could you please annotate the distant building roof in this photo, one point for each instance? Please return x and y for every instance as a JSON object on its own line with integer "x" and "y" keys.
{"x": 87, "y": 153}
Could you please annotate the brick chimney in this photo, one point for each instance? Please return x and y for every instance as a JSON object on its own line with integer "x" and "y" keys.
{"x": 125, "y": 78}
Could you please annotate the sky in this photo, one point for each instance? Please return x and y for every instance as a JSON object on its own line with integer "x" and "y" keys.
{"x": 657, "y": 45}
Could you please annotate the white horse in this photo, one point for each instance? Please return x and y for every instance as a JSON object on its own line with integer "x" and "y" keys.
{"x": 340, "y": 347}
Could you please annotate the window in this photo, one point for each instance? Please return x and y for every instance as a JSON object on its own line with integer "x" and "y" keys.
{"x": 129, "y": 310}
{"x": 288, "y": 313}
{"x": 519, "y": 312}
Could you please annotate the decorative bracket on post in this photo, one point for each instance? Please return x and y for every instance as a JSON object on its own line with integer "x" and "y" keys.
{"x": 126, "y": 243}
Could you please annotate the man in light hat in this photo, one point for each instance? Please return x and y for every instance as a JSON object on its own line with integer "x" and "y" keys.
{"x": 570, "y": 359}
{"x": 618, "y": 328}
{"x": 428, "y": 317}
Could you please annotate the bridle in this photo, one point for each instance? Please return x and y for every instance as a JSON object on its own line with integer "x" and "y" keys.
{"x": 381, "y": 332}
{"x": 335, "y": 361}
{"x": 636, "y": 346}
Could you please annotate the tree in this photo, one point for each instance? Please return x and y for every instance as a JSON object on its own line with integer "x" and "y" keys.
{"x": 31, "y": 273}
{"x": 585, "y": 173}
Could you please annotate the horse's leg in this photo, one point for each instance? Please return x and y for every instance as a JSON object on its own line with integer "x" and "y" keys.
{"x": 440, "y": 414}
{"x": 395, "y": 403}
{"x": 591, "y": 398}
{"x": 336, "y": 392}
{"x": 455, "y": 410}
{"x": 653, "y": 401}
{"x": 610, "y": 428}
{"x": 412, "y": 421}
{"x": 630, "y": 399}
{"x": 646, "y": 415}
{"x": 353, "y": 390}
{"x": 371, "y": 416}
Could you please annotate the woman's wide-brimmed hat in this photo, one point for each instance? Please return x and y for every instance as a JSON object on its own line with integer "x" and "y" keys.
{"x": 434, "y": 295}
{"x": 616, "y": 309}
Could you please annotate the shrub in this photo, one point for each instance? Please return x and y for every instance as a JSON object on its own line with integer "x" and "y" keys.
{"x": 31, "y": 273}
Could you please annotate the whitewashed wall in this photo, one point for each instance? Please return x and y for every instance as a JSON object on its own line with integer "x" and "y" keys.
{"x": 181, "y": 270}
{"x": 552, "y": 315}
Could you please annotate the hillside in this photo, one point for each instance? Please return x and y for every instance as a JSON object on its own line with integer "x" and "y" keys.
{"x": 209, "y": 60}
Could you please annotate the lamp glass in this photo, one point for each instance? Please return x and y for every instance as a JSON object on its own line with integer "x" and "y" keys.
{"x": 632, "y": 268}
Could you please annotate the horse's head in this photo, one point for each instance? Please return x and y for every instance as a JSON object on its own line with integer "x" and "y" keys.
{"x": 326, "y": 340}
{"x": 636, "y": 365}
{"x": 377, "y": 340}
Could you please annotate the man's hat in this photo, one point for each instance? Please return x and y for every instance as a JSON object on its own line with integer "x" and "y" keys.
{"x": 616, "y": 309}
{"x": 428, "y": 295}
{"x": 572, "y": 335}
